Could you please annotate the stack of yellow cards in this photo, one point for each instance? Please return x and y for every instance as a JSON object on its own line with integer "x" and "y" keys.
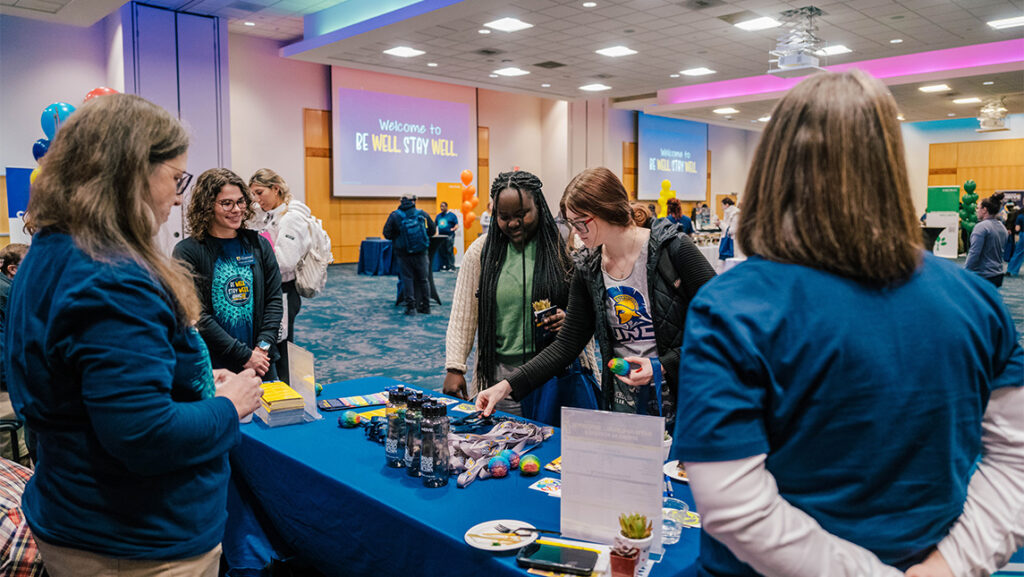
{"x": 280, "y": 405}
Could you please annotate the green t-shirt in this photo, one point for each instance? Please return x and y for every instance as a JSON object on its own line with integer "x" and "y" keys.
{"x": 513, "y": 307}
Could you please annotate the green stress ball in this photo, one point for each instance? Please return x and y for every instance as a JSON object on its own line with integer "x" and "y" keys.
{"x": 529, "y": 465}
{"x": 319, "y": 389}
{"x": 349, "y": 420}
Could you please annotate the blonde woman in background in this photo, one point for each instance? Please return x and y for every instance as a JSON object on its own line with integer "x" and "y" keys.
{"x": 285, "y": 221}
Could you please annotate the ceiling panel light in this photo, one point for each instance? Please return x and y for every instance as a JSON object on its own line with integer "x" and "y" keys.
{"x": 250, "y": 23}
{"x": 595, "y": 87}
{"x": 935, "y": 88}
{"x": 545, "y": 85}
{"x": 1007, "y": 22}
{"x": 833, "y": 50}
{"x": 492, "y": 75}
{"x": 404, "y": 51}
{"x": 673, "y": 76}
{"x": 900, "y": 117}
{"x": 615, "y": 51}
{"x": 951, "y": 114}
{"x": 726, "y": 110}
{"x": 589, "y": 4}
{"x": 970, "y": 100}
{"x": 509, "y": 25}
{"x": 511, "y": 71}
{"x": 988, "y": 83}
{"x": 896, "y": 41}
{"x": 764, "y": 118}
{"x": 762, "y": 23}
{"x": 702, "y": 71}
{"x": 484, "y": 31}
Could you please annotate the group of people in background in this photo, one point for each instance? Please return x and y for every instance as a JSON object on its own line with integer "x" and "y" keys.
{"x": 822, "y": 430}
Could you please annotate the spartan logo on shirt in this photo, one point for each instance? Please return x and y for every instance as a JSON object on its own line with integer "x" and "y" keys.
{"x": 631, "y": 311}
{"x": 237, "y": 291}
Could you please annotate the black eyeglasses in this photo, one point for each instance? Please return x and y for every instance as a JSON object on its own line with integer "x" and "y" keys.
{"x": 227, "y": 205}
{"x": 182, "y": 181}
{"x": 580, "y": 225}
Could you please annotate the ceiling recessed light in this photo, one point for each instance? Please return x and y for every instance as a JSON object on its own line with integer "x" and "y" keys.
{"x": 702, "y": 71}
{"x": 404, "y": 51}
{"x": 616, "y": 51}
{"x": 432, "y": 64}
{"x": 726, "y": 110}
{"x": 988, "y": 83}
{"x": 951, "y": 114}
{"x": 595, "y": 87}
{"x": 900, "y": 117}
{"x": 935, "y": 88}
{"x": 673, "y": 76}
{"x": 896, "y": 41}
{"x": 833, "y": 50}
{"x": 493, "y": 75}
{"x": 250, "y": 23}
{"x": 764, "y": 118}
{"x": 970, "y": 100}
{"x": 509, "y": 25}
{"x": 762, "y": 23}
{"x": 589, "y": 4}
{"x": 545, "y": 85}
{"x": 511, "y": 71}
{"x": 1007, "y": 22}
{"x": 484, "y": 31}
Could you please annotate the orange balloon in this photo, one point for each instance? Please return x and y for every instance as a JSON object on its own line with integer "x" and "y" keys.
{"x": 467, "y": 177}
{"x": 473, "y": 202}
{"x": 466, "y": 207}
{"x": 471, "y": 189}
{"x": 466, "y": 194}
{"x": 470, "y": 219}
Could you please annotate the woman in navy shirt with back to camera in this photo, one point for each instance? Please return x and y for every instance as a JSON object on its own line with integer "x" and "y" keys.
{"x": 856, "y": 404}
{"x": 133, "y": 427}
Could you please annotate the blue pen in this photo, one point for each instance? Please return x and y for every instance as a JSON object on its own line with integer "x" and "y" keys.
{"x": 668, "y": 486}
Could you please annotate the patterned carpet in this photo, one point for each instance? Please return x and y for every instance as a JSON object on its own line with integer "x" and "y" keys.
{"x": 354, "y": 329}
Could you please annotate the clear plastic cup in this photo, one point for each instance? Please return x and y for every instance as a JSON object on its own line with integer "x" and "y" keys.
{"x": 673, "y": 512}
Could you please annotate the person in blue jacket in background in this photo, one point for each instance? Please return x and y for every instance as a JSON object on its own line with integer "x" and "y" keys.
{"x": 105, "y": 364}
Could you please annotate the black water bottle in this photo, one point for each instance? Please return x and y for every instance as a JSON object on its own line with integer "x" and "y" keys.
{"x": 394, "y": 445}
{"x": 413, "y": 418}
{"x": 434, "y": 452}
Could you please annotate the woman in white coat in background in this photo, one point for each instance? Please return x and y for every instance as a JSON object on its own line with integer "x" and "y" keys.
{"x": 284, "y": 220}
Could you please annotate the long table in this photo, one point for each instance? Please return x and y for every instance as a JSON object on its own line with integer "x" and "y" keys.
{"x": 333, "y": 502}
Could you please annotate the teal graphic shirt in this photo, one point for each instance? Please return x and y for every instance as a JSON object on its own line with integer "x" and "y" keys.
{"x": 232, "y": 289}
{"x": 193, "y": 373}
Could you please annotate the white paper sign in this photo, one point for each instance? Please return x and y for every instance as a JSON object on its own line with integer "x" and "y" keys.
{"x": 611, "y": 464}
{"x": 946, "y": 243}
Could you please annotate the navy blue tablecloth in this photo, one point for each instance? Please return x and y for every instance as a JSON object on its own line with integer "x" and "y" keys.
{"x": 333, "y": 503}
{"x": 375, "y": 257}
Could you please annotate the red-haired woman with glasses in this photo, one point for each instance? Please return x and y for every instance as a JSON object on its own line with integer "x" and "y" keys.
{"x": 630, "y": 289}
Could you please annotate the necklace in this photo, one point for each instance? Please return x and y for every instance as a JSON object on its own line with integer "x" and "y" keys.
{"x": 621, "y": 268}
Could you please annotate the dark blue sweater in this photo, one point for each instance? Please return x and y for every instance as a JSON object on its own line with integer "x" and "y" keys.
{"x": 132, "y": 446}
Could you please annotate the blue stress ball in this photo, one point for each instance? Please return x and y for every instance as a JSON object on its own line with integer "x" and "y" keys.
{"x": 498, "y": 466}
{"x": 512, "y": 456}
{"x": 349, "y": 420}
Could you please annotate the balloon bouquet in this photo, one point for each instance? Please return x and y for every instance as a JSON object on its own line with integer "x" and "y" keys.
{"x": 969, "y": 207}
{"x": 51, "y": 120}
{"x": 469, "y": 199}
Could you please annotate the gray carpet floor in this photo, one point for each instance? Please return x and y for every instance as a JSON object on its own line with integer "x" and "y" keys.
{"x": 355, "y": 330}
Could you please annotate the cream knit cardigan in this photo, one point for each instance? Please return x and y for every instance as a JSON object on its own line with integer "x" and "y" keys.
{"x": 462, "y": 325}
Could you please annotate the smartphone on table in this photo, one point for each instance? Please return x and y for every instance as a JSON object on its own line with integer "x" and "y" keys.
{"x": 552, "y": 557}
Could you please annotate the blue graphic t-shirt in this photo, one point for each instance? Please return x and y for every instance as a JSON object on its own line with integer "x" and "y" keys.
{"x": 446, "y": 223}
{"x": 232, "y": 289}
{"x": 628, "y": 309}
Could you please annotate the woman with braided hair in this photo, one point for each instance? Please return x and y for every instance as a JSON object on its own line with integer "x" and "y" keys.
{"x": 630, "y": 289}
{"x": 521, "y": 261}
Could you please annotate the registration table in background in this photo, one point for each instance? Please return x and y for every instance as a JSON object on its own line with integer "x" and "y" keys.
{"x": 329, "y": 496}
{"x": 376, "y": 258}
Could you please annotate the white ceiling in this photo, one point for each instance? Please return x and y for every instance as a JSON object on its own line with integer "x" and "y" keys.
{"x": 668, "y": 35}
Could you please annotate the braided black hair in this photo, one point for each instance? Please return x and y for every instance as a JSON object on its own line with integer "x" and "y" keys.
{"x": 551, "y": 270}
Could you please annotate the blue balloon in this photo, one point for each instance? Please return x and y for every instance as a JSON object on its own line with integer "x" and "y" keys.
{"x": 54, "y": 116}
{"x": 40, "y": 147}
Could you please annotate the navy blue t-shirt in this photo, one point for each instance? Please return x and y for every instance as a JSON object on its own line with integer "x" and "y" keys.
{"x": 446, "y": 223}
{"x": 232, "y": 288}
{"x": 867, "y": 401}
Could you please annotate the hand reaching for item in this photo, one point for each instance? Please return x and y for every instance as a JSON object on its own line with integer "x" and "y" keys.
{"x": 243, "y": 390}
{"x": 487, "y": 400}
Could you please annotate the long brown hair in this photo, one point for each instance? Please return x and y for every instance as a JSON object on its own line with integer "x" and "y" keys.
{"x": 93, "y": 184}
{"x": 204, "y": 197}
{"x": 598, "y": 192}
{"x": 828, "y": 187}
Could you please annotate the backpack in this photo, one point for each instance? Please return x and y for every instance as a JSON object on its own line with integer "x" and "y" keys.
{"x": 311, "y": 270}
{"x": 414, "y": 232}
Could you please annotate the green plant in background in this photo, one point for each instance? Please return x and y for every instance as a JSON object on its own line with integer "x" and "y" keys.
{"x": 635, "y": 526}
{"x": 968, "y": 207}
